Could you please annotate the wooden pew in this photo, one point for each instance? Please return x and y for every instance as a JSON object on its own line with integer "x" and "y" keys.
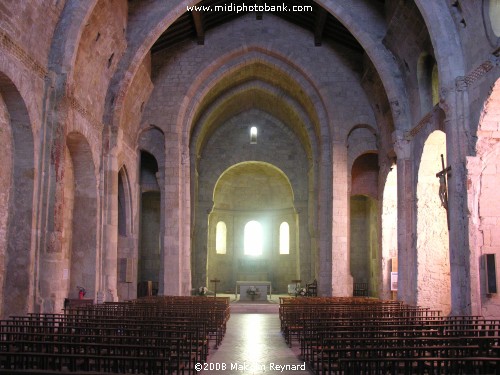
{"x": 167, "y": 335}
{"x": 366, "y": 336}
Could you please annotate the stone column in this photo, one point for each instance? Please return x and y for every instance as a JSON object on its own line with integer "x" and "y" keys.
{"x": 407, "y": 257}
{"x": 306, "y": 270}
{"x": 50, "y": 262}
{"x": 321, "y": 236}
{"x": 384, "y": 287}
{"x": 340, "y": 259}
{"x": 200, "y": 244}
{"x": 457, "y": 146}
{"x": 185, "y": 224}
{"x": 474, "y": 170}
{"x": 169, "y": 256}
{"x": 109, "y": 267}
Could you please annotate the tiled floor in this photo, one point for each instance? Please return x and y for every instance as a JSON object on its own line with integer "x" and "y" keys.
{"x": 253, "y": 344}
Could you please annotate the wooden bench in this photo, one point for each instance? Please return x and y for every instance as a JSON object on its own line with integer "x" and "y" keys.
{"x": 366, "y": 336}
{"x": 150, "y": 336}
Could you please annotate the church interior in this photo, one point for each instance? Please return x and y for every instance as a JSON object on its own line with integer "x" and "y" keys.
{"x": 152, "y": 147}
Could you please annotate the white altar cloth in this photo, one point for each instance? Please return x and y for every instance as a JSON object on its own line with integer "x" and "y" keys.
{"x": 263, "y": 286}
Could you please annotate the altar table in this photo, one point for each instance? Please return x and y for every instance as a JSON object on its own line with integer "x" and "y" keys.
{"x": 263, "y": 286}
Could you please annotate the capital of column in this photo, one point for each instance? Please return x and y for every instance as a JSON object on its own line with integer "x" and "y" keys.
{"x": 402, "y": 144}
{"x": 461, "y": 83}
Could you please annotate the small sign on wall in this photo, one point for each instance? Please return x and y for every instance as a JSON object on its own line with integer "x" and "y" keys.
{"x": 65, "y": 274}
{"x": 491, "y": 273}
{"x": 394, "y": 281}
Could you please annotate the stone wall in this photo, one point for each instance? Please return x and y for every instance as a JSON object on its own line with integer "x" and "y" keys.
{"x": 79, "y": 89}
{"x": 269, "y": 196}
{"x": 482, "y": 187}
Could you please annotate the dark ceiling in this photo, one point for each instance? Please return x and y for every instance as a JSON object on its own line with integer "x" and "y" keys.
{"x": 193, "y": 25}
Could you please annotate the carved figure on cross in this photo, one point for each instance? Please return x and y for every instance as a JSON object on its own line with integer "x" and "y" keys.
{"x": 443, "y": 187}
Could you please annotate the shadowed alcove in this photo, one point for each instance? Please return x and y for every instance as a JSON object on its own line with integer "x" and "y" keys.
{"x": 364, "y": 225}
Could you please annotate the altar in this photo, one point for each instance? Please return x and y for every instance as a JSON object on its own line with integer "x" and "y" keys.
{"x": 262, "y": 289}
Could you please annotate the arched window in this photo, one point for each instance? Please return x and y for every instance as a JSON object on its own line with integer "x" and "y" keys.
{"x": 122, "y": 206}
{"x": 428, "y": 82}
{"x": 253, "y": 135}
{"x": 220, "y": 237}
{"x": 435, "y": 85}
{"x": 494, "y": 12}
{"x": 284, "y": 238}
{"x": 253, "y": 238}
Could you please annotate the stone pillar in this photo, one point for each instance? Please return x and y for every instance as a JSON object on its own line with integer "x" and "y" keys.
{"x": 457, "y": 145}
{"x": 312, "y": 225}
{"x": 185, "y": 224}
{"x": 407, "y": 257}
{"x": 200, "y": 244}
{"x": 167, "y": 281}
{"x": 306, "y": 271}
{"x": 175, "y": 221}
{"x": 474, "y": 170}
{"x": 50, "y": 249}
{"x": 340, "y": 258}
{"x": 387, "y": 251}
{"x": 109, "y": 266}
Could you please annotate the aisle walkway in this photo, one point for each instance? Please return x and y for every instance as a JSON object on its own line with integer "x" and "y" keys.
{"x": 254, "y": 345}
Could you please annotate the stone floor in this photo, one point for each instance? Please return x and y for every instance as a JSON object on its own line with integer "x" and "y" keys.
{"x": 253, "y": 344}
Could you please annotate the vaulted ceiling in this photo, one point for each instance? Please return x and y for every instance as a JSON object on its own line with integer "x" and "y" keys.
{"x": 193, "y": 25}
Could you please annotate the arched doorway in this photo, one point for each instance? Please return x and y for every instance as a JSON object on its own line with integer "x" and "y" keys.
{"x": 364, "y": 225}
{"x": 16, "y": 194}
{"x": 83, "y": 232}
{"x": 152, "y": 260}
{"x": 253, "y": 227}
{"x": 389, "y": 241}
{"x": 149, "y": 257}
{"x": 127, "y": 250}
{"x": 433, "y": 257}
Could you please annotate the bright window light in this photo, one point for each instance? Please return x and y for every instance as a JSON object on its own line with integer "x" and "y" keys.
{"x": 220, "y": 237}
{"x": 284, "y": 238}
{"x": 253, "y": 135}
{"x": 253, "y": 238}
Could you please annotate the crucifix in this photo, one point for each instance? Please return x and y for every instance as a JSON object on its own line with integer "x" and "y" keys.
{"x": 215, "y": 281}
{"x": 443, "y": 188}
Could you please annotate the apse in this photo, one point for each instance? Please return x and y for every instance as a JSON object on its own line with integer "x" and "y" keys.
{"x": 255, "y": 218}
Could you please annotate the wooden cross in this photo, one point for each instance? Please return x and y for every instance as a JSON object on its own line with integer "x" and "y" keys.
{"x": 443, "y": 188}
{"x": 215, "y": 281}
